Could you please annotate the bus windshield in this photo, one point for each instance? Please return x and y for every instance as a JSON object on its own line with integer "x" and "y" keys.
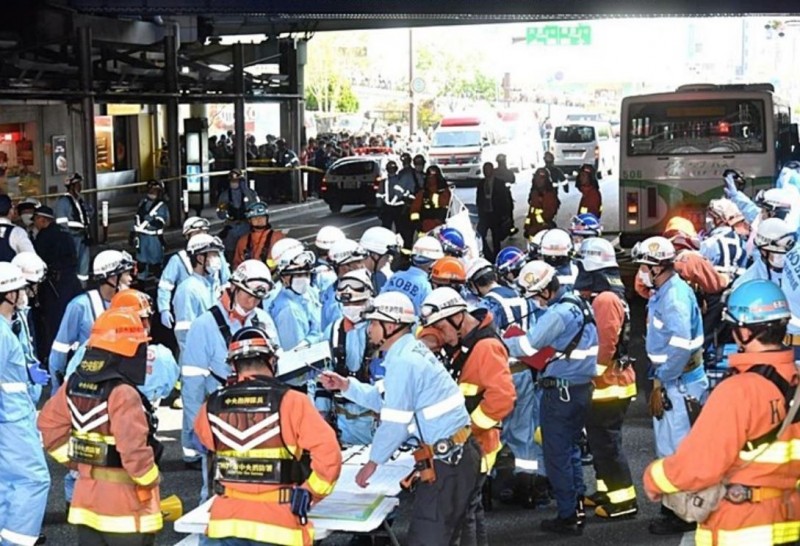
{"x": 456, "y": 139}
{"x": 723, "y": 126}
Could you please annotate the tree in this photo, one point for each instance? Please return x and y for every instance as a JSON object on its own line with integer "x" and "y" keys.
{"x": 336, "y": 96}
{"x": 326, "y": 89}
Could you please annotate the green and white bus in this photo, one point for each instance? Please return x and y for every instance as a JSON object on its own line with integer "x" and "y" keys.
{"x": 675, "y": 147}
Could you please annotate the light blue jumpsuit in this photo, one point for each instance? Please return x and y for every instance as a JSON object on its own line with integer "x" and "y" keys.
{"x": 178, "y": 269}
{"x": 26, "y": 340}
{"x": 74, "y": 220}
{"x": 355, "y": 423}
{"x": 566, "y": 275}
{"x": 24, "y": 478}
{"x": 674, "y": 335}
{"x": 331, "y": 308}
{"x": 322, "y": 276}
{"x": 417, "y": 393}
{"x": 76, "y": 325}
{"x": 759, "y": 270}
{"x": 204, "y": 368}
{"x": 193, "y": 297}
{"x": 297, "y": 319}
{"x": 413, "y": 282}
{"x": 507, "y": 308}
{"x": 162, "y": 372}
{"x": 149, "y": 230}
{"x": 563, "y": 408}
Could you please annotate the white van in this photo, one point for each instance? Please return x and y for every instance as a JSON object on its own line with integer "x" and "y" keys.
{"x": 575, "y": 143}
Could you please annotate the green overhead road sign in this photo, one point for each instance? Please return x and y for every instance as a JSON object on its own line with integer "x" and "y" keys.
{"x": 573, "y": 35}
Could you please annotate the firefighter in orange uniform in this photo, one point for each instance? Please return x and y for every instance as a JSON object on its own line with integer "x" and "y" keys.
{"x": 258, "y": 419}
{"x": 543, "y": 204}
{"x": 735, "y": 440}
{"x": 599, "y": 281}
{"x": 103, "y": 426}
{"x": 431, "y": 203}
{"x": 480, "y": 366}
{"x": 257, "y": 244}
{"x": 588, "y": 186}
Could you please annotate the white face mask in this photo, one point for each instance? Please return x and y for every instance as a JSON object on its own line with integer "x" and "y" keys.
{"x": 300, "y": 284}
{"x": 213, "y": 264}
{"x": 239, "y": 310}
{"x": 22, "y": 300}
{"x": 776, "y": 260}
{"x": 644, "y": 276}
{"x": 353, "y": 312}
{"x": 27, "y": 219}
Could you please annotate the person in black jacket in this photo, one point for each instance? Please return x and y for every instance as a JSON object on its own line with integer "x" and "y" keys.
{"x": 495, "y": 211}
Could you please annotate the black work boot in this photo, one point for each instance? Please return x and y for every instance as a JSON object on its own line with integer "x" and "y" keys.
{"x": 563, "y": 526}
{"x": 670, "y": 524}
{"x": 541, "y": 490}
{"x": 597, "y": 498}
{"x": 523, "y": 490}
{"x": 627, "y": 509}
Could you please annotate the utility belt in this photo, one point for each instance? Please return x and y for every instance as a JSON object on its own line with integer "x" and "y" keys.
{"x": 282, "y": 495}
{"x": 447, "y": 450}
{"x": 349, "y": 415}
{"x": 562, "y": 385}
{"x": 93, "y": 451}
{"x": 736, "y": 493}
{"x": 792, "y": 340}
{"x": 119, "y": 476}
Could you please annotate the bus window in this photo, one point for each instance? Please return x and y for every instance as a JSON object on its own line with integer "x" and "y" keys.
{"x": 783, "y": 136}
{"x": 722, "y": 126}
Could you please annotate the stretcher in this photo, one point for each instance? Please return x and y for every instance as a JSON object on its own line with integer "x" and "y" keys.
{"x": 380, "y": 495}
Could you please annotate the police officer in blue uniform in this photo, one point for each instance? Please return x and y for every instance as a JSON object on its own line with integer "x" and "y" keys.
{"x": 567, "y": 333}
{"x": 529, "y": 486}
{"x": 73, "y": 215}
{"x": 147, "y": 234}
{"x": 418, "y": 392}
{"x": 231, "y": 207}
{"x": 13, "y": 238}
{"x": 674, "y": 344}
{"x": 204, "y": 367}
{"x": 24, "y": 478}
{"x": 414, "y": 282}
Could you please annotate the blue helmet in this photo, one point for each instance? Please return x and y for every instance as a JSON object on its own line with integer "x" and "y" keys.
{"x": 756, "y": 302}
{"x": 509, "y": 260}
{"x": 586, "y": 225}
{"x": 452, "y": 240}
{"x": 256, "y": 209}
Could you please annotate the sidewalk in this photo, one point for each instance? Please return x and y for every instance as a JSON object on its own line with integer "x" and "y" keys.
{"x": 120, "y": 220}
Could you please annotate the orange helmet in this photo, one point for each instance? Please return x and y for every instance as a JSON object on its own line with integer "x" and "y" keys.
{"x": 119, "y": 331}
{"x": 682, "y": 233}
{"x": 448, "y": 271}
{"x": 135, "y": 300}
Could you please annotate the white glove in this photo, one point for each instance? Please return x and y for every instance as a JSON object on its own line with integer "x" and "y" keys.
{"x": 730, "y": 187}
{"x": 167, "y": 320}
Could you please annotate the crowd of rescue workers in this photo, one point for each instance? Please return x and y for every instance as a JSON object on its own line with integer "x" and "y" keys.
{"x": 443, "y": 340}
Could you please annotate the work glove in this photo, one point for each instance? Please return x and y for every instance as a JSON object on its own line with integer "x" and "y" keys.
{"x": 730, "y": 186}
{"x": 300, "y": 504}
{"x": 167, "y": 320}
{"x": 37, "y": 374}
{"x": 656, "y": 402}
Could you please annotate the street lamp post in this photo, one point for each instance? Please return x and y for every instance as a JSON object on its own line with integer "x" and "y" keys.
{"x": 412, "y": 108}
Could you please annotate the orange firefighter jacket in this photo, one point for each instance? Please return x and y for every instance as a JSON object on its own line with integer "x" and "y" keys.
{"x": 611, "y": 383}
{"x": 486, "y": 383}
{"x": 542, "y": 210}
{"x": 252, "y": 510}
{"x": 256, "y": 242}
{"x": 591, "y": 201}
{"x": 696, "y": 270}
{"x": 430, "y": 208}
{"x": 107, "y": 499}
{"x": 740, "y": 409}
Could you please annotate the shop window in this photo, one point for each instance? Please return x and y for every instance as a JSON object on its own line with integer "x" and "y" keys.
{"x": 19, "y": 173}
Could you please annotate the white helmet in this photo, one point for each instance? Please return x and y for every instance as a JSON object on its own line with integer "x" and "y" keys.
{"x": 394, "y": 307}
{"x": 327, "y": 235}
{"x": 441, "y": 303}
{"x": 426, "y": 250}
{"x": 203, "y": 242}
{"x": 726, "y": 211}
{"x": 11, "y": 278}
{"x": 479, "y": 267}
{"x": 32, "y": 266}
{"x": 556, "y": 243}
{"x": 381, "y": 240}
{"x": 535, "y": 244}
{"x": 280, "y": 247}
{"x": 354, "y": 286}
{"x": 775, "y": 235}
{"x": 195, "y": 223}
{"x": 109, "y": 263}
{"x": 534, "y": 277}
{"x": 597, "y": 253}
{"x": 254, "y": 277}
{"x": 295, "y": 261}
{"x": 776, "y": 200}
{"x": 345, "y": 252}
{"x": 653, "y": 251}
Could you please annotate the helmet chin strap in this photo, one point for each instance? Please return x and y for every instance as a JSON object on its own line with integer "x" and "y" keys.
{"x": 458, "y": 326}
{"x": 745, "y": 342}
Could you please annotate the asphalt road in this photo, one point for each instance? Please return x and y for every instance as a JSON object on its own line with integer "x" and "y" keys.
{"x": 507, "y": 525}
